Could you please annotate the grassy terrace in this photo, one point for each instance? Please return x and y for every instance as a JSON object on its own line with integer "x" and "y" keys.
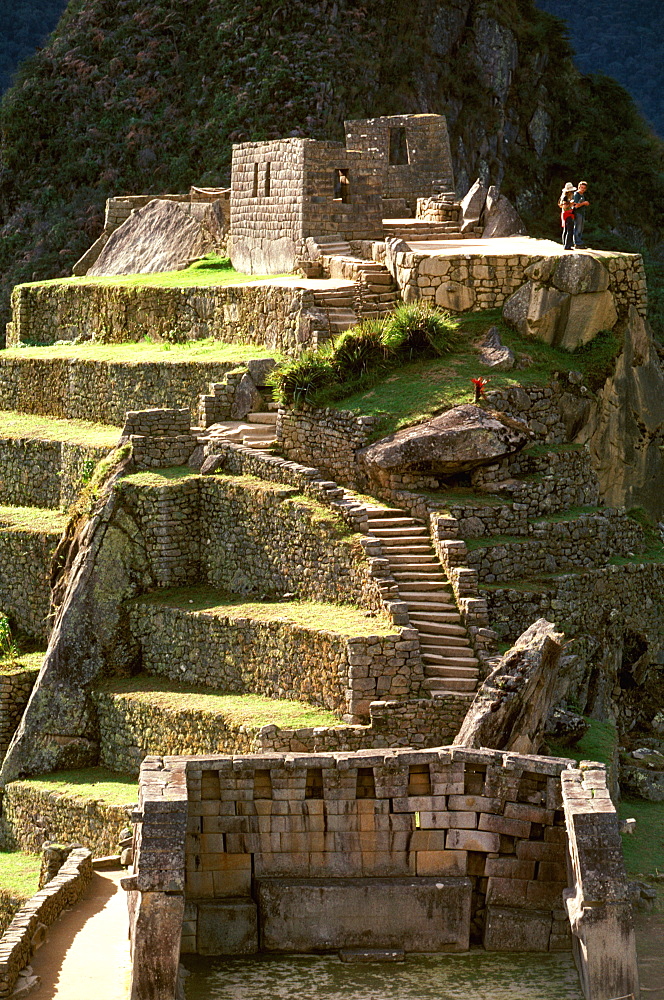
{"x": 341, "y": 619}
{"x": 24, "y": 661}
{"x": 238, "y": 710}
{"x": 144, "y": 352}
{"x": 210, "y": 270}
{"x": 19, "y": 876}
{"x": 420, "y": 389}
{"x": 32, "y": 519}
{"x": 25, "y": 425}
{"x": 93, "y": 783}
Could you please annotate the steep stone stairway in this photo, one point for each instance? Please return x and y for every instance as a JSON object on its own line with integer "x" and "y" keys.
{"x": 450, "y": 665}
{"x": 338, "y": 305}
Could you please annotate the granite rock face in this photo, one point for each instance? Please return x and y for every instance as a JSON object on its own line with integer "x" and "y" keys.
{"x": 495, "y": 354}
{"x": 625, "y": 431}
{"x": 472, "y": 205}
{"x": 456, "y": 441}
{"x": 501, "y": 218}
{"x": 158, "y": 237}
{"x": 511, "y": 707}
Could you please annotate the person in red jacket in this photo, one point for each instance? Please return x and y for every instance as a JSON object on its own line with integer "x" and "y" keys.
{"x": 566, "y": 205}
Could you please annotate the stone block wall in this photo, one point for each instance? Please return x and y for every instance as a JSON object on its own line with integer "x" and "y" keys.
{"x": 278, "y": 659}
{"x": 17, "y": 944}
{"x": 31, "y": 816}
{"x": 272, "y": 316}
{"x": 15, "y": 689}
{"x": 476, "y": 281}
{"x": 325, "y": 211}
{"x": 326, "y": 438}
{"x": 427, "y": 169}
{"x": 452, "y": 814}
{"x": 25, "y": 593}
{"x": 86, "y": 390}
{"x": 44, "y": 473}
{"x": 159, "y": 438}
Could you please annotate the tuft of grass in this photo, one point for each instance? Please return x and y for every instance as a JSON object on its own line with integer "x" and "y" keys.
{"x": 34, "y": 519}
{"x": 92, "y": 783}
{"x": 249, "y": 710}
{"x": 144, "y": 352}
{"x": 38, "y": 428}
{"x": 94, "y": 484}
{"x": 567, "y": 515}
{"x": 19, "y": 874}
{"x": 340, "y": 619}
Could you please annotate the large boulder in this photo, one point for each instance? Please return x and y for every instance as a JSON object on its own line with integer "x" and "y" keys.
{"x": 472, "y": 205}
{"x": 501, "y": 218}
{"x": 456, "y": 441}
{"x": 579, "y": 273}
{"x": 511, "y": 707}
{"x": 626, "y": 426}
{"x": 161, "y": 236}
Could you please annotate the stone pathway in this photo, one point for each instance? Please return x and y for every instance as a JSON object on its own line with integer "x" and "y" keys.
{"x": 86, "y": 952}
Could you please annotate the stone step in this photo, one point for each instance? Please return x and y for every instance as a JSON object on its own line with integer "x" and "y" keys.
{"x": 262, "y": 418}
{"x": 391, "y": 522}
{"x": 423, "y": 573}
{"x": 450, "y": 661}
{"x": 448, "y": 641}
{"x": 450, "y": 684}
{"x": 433, "y": 653}
{"x": 423, "y": 587}
{"x": 409, "y": 548}
{"x": 429, "y": 629}
{"x": 468, "y": 672}
{"x": 395, "y": 534}
{"x": 413, "y": 561}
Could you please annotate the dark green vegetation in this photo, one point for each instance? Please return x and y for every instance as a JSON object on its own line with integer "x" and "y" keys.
{"x": 134, "y": 97}
{"x": 25, "y": 26}
{"x": 622, "y": 38}
{"x": 404, "y": 392}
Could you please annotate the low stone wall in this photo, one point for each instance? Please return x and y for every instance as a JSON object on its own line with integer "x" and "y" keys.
{"x": 272, "y": 315}
{"x": 582, "y": 602}
{"x": 17, "y": 944}
{"x": 25, "y": 593}
{"x": 278, "y": 659}
{"x": 44, "y": 473}
{"x": 31, "y": 816}
{"x": 481, "y": 280}
{"x": 15, "y": 689}
{"x": 598, "y": 904}
{"x": 326, "y": 438}
{"x": 88, "y": 390}
{"x": 159, "y": 437}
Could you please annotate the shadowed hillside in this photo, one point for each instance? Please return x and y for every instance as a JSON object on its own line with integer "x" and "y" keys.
{"x": 135, "y": 97}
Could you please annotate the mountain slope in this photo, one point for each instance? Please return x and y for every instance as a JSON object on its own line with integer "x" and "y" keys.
{"x": 134, "y": 97}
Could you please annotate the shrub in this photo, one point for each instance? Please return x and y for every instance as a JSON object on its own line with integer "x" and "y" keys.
{"x": 359, "y": 349}
{"x": 420, "y": 327}
{"x": 297, "y": 381}
{"x": 8, "y": 646}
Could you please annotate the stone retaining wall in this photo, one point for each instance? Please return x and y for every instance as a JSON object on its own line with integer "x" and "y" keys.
{"x": 17, "y": 944}
{"x": 44, "y": 473}
{"x": 15, "y": 689}
{"x": 271, "y": 315}
{"x": 31, "y": 816}
{"x": 91, "y": 390}
{"x": 476, "y": 281}
{"x": 326, "y": 438}
{"x": 278, "y": 659}
{"x": 25, "y": 593}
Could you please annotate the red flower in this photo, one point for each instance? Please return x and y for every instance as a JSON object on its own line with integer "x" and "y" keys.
{"x": 479, "y": 384}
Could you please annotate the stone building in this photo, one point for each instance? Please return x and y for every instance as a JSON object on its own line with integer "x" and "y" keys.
{"x": 288, "y": 190}
{"x": 413, "y": 152}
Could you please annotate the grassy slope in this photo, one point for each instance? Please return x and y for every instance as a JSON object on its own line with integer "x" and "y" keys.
{"x": 134, "y": 97}
{"x": 190, "y": 352}
{"x": 93, "y": 783}
{"x": 249, "y": 709}
{"x": 341, "y": 619}
{"x": 19, "y": 873}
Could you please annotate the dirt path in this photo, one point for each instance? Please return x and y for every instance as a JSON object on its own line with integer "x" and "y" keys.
{"x": 86, "y": 952}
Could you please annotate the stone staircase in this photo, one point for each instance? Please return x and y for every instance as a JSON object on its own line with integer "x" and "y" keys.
{"x": 422, "y": 230}
{"x": 450, "y": 666}
{"x": 376, "y": 292}
{"x": 338, "y": 305}
{"x": 257, "y": 430}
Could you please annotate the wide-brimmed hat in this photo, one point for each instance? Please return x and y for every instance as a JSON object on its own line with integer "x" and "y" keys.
{"x": 569, "y": 187}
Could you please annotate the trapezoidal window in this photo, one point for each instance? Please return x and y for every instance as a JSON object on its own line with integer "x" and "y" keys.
{"x": 313, "y": 788}
{"x": 262, "y": 785}
{"x": 341, "y": 185}
{"x": 397, "y": 146}
{"x": 254, "y": 187}
{"x": 266, "y": 186}
{"x": 366, "y": 786}
{"x": 419, "y": 780}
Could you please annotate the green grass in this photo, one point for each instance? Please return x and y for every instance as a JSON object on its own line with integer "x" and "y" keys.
{"x": 341, "y": 619}
{"x": 32, "y": 519}
{"x": 19, "y": 873}
{"x": 567, "y": 515}
{"x": 194, "y": 276}
{"x": 421, "y": 389}
{"x": 161, "y": 477}
{"x": 24, "y": 661}
{"x": 27, "y": 425}
{"x": 93, "y": 783}
{"x": 644, "y": 849}
{"x": 598, "y": 743}
{"x": 248, "y": 710}
{"x": 146, "y": 352}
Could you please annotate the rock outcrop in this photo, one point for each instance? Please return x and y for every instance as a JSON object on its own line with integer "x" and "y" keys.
{"x": 158, "y": 237}
{"x": 625, "y": 432}
{"x": 495, "y": 354}
{"x": 456, "y": 441}
{"x": 511, "y": 707}
{"x": 500, "y": 217}
{"x": 565, "y": 302}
